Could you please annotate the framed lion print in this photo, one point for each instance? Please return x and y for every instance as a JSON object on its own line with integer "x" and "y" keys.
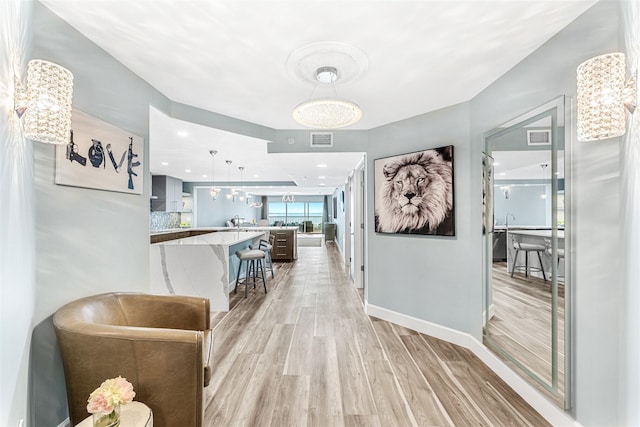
{"x": 414, "y": 193}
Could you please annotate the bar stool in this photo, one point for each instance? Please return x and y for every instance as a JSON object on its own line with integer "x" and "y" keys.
{"x": 250, "y": 257}
{"x": 528, "y": 248}
{"x": 266, "y": 247}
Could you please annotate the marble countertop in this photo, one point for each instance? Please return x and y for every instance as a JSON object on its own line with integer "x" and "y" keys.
{"x": 227, "y": 238}
{"x": 536, "y": 233}
{"x": 176, "y": 230}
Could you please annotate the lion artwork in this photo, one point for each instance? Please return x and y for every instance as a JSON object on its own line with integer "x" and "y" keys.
{"x": 417, "y": 194}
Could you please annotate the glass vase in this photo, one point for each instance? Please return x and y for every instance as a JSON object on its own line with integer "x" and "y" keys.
{"x": 111, "y": 419}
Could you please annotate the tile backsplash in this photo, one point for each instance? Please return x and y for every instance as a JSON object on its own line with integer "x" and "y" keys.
{"x": 164, "y": 220}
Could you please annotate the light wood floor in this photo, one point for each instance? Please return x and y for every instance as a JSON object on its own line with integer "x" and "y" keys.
{"x": 306, "y": 354}
{"x": 522, "y": 323}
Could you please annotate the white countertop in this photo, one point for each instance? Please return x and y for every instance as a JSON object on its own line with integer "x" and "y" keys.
{"x": 248, "y": 228}
{"x": 536, "y": 233}
{"x": 227, "y": 238}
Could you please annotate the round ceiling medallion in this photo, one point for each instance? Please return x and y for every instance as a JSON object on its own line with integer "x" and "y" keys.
{"x": 304, "y": 63}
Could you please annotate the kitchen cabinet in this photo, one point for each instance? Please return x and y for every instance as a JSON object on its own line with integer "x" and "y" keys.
{"x": 168, "y": 191}
{"x": 329, "y": 231}
{"x": 284, "y": 245}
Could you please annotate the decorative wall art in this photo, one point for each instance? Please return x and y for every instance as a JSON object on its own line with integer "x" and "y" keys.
{"x": 414, "y": 193}
{"x": 100, "y": 156}
{"x": 487, "y": 193}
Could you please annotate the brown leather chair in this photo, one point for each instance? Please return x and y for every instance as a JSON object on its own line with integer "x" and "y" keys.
{"x": 160, "y": 343}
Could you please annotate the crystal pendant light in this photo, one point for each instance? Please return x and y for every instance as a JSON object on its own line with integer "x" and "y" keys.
{"x": 543, "y": 195}
{"x": 214, "y": 191}
{"x": 230, "y": 192}
{"x": 241, "y": 195}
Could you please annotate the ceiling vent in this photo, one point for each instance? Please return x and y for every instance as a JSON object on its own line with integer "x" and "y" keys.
{"x": 321, "y": 139}
{"x": 539, "y": 137}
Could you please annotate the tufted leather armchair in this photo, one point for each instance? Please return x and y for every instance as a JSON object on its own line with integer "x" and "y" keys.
{"x": 160, "y": 343}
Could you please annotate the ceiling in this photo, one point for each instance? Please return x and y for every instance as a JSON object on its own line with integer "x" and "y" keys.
{"x": 234, "y": 57}
{"x": 526, "y": 165}
{"x": 181, "y": 149}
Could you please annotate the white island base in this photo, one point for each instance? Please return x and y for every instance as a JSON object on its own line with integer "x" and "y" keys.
{"x": 202, "y": 266}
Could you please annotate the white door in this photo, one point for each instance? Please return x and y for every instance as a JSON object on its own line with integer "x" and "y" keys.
{"x": 358, "y": 226}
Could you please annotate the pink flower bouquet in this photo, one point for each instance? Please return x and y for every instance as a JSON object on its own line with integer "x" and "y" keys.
{"x": 110, "y": 394}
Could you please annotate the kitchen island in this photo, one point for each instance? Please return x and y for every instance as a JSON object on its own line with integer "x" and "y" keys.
{"x": 204, "y": 265}
{"x": 286, "y": 238}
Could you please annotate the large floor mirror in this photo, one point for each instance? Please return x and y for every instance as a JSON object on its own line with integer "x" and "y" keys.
{"x": 527, "y": 262}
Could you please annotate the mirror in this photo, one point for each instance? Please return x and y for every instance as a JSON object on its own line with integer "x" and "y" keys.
{"x": 526, "y": 254}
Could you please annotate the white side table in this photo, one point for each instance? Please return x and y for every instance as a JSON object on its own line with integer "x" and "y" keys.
{"x": 134, "y": 414}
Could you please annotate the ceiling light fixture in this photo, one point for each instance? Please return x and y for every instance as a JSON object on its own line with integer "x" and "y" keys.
{"x": 241, "y": 196}
{"x": 46, "y": 102}
{"x": 214, "y": 191}
{"x": 543, "y": 166}
{"x": 327, "y": 113}
{"x": 288, "y": 198}
{"x": 603, "y": 95}
{"x": 230, "y": 194}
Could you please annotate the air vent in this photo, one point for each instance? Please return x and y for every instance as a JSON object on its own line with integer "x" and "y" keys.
{"x": 539, "y": 137}
{"x": 321, "y": 139}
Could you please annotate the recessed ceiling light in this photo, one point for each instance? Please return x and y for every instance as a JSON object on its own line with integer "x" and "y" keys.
{"x": 321, "y": 177}
{"x": 183, "y": 133}
{"x": 187, "y": 170}
{"x": 322, "y": 184}
{"x": 502, "y": 173}
{"x": 165, "y": 163}
{"x": 256, "y": 176}
{"x": 496, "y": 163}
{"x": 322, "y": 165}
{"x": 204, "y": 175}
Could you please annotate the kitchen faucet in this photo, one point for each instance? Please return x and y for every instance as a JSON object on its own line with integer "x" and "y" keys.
{"x": 506, "y": 219}
{"x": 237, "y": 221}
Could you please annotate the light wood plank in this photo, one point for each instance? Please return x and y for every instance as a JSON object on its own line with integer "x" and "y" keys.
{"x": 307, "y": 354}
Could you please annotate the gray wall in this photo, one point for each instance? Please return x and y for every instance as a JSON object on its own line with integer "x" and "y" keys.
{"x": 524, "y": 203}
{"x": 629, "y": 310}
{"x": 17, "y": 219}
{"x": 340, "y": 219}
{"x": 542, "y": 76}
{"x": 215, "y": 213}
{"x": 427, "y": 277}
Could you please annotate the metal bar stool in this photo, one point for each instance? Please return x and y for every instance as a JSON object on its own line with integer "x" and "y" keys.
{"x": 559, "y": 253}
{"x": 528, "y": 248}
{"x": 251, "y": 257}
{"x": 266, "y": 247}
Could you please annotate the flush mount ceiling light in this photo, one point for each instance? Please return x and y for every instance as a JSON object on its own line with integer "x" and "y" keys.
{"x": 214, "y": 191}
{"x": 603, "y": 95}
{"x": 46, "y": 102}
{"x": 327, "y": 113}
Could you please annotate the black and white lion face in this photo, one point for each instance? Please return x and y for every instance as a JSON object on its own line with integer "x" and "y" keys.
{"x": 418, "y": 192}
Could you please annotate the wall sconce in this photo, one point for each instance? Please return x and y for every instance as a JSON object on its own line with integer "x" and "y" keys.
{"x": 46, "y": 102}
{"x": 603, "y": 96}
{"x": 505, "y": 191}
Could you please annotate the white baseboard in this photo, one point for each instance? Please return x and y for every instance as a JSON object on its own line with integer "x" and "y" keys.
{"x": 428, "y": 328}
{"x": 65, "y": 423}
{"x": 554, "y": 415}
{"x": 492, "y": 312}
